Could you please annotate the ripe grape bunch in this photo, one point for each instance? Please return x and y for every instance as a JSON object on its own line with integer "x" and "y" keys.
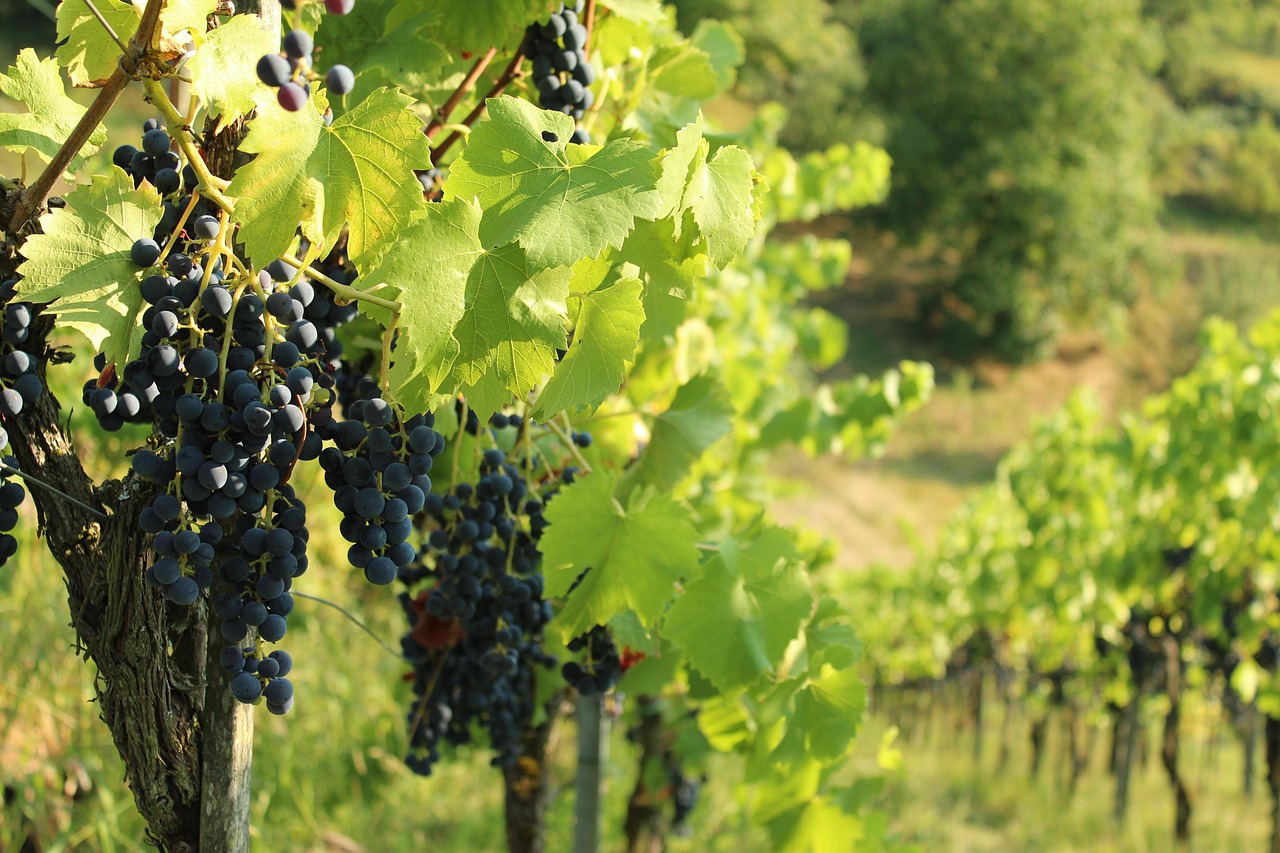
{"x": 236, "y": 374}
{"x": 378, "y": 470}
{"x": 11, "y": 497}
{"x": 290, "y": 72}
{"x": 20, "y": 384}
{"x": 561, "y": 70}
{"x": 475, "y": 604}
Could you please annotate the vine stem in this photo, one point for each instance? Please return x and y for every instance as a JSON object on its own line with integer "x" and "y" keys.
{"x": 567, "y": 441}
{"x": 511, "y": 73}
{"x": 352, "y": 617}
{"x": 441, "y": 117}
{"x": 589, "y": 20}
{"x": 33, "y": 196}
{"x": 388, "y": 338}
{"x": 31, "y": 478}
{"x": 344, "y": 291}
{"x": 207, "y": 184}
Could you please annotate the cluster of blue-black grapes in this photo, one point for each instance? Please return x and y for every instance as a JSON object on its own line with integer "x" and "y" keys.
{"x": 378, "y": 469}
{"x": 289, "y": 71}
{"x": 561, "y": 71}
{"x": 475, "y": 604}
{"x": 600, "y": 667}
{"x": 161, "y": 167}
{"x": 236, "y": 376}
{"x": 11, "y": 497}
{"x": 476, "y": 610}
{"x": 20, "y": 384}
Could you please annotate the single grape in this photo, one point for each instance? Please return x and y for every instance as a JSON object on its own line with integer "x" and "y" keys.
{"x": 273, "y": 70}
{"x": 340, "y": 80}
{"x": 292, "y": 97}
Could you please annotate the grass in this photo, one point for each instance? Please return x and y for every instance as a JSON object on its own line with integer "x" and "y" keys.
{"x": 945, "y": 802}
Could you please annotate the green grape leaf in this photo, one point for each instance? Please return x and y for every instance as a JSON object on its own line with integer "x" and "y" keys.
{"x": 37, "y": 84}
{"x": 818, "y": 825}
{"x": 384, "y": 49}
{"x": 357, "y": 171}
{"x": 514, "y": 320}
{"x": 828, "y": 713}
{"x": 87, "y": 52}
{"x": 725, "y": 48}
{"x": 427, "y": 271}
{"x": 80, "y": 263}
{"x": 90, "y": 55}
{"x": 476, "y": 25}
{"x": 224, "y": 70}
{"x": 722, "y": 203}
{"x": 561, "y": 202}
{"x": 717, "y": 191}
{"x": 736, "y": 621}
{"x": 606, "y": 331}
{"x": 685, "y": 71}
{"x": 636, "y": 555}
{"x": 643, "y": 11}
{"x": 482, "y": 322}
{"x": 677, "y": 166}
{"x": 672, "y": 266}
{"x": 698, "y": 416}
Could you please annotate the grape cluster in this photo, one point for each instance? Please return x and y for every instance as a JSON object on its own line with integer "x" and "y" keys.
{"x": 378, "y": 470}
{"x": 476, "y": 607}
{"x": 289, "y": 71}
{"x": 20, "y": 384}
{"x": 600, "y": 667}
{"x": 11, "y": 497}
{"x": 561, "y": 70}
{"x": 156, "y": 164}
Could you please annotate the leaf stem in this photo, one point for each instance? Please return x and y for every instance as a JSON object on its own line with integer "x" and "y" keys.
{"x": 351, "y": 616}
{"x": 34, "y": 195}
{"x": 207, "y": 184}
{"x": 106, "y": 26}
{"x": 34, "y": 479}
{"x": 567, "y": 441}
{"x": 388, "y": 338}
{"x": 511, "y": 73}
{"x": 441, "y": 116}
{"x": 345, "y": 291}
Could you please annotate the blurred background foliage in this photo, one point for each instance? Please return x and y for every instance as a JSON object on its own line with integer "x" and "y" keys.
{"x": 1042, "y": 151}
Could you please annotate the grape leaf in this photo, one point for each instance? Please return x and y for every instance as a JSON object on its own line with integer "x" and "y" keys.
{"x": 384, "y": 50}
{"x": 37, "y": 84}
{"x": 476, "y": 25}
{"x": 223, "y": 71}
{"x": 427, "y": 270}
{"x": 717, "y": 191}
{"x": 357, "y": 171}
{"x": 80, "y": 263}
{"x": 828, "y": 713}
{"x": 644, "y": 11}
{"x": 724, "y": 48}
{"x": 89, "y": 53}
{"x": 514, "y": 320}
{"x": 671, "y": 266}
{"x": 561, "y": 202}
{"x": 722, "y": 203}
{"x": 736, "y": 621}
{"x": 636, "y": 555}
{"x": 606, "y": 333}
{"x": 481, "y": 322}
{"x": 698, "y": 416}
